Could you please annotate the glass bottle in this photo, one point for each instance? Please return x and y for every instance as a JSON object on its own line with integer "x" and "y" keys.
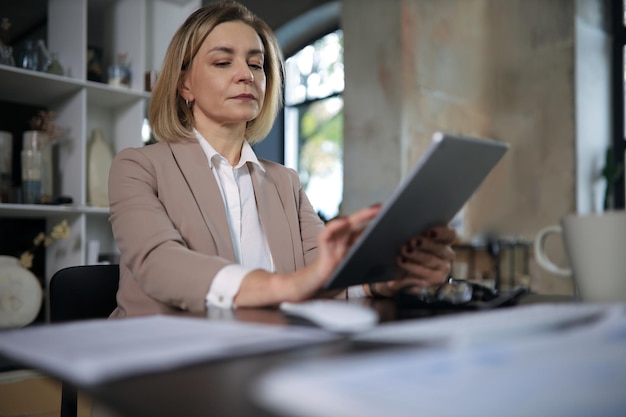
{"x": 31, "y": 176}
{"x": 119, "y": 74}
{"x": 6, "y": 165}
{"x": 49, "y": 63}
{"x": 6, "y": 55}
{"x": 30, "y": 60}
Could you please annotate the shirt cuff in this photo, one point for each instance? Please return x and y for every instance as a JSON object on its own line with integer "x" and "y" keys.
{"x": 356, "y": 291}
{"x": 225, "y": 286}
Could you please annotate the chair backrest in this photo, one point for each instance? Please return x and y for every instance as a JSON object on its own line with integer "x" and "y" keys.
{"x": 83, "y": 292}
{"x": 80, "y": 293}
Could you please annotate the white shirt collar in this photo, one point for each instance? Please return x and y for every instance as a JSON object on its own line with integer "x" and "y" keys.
{"x": 247, "y": 153}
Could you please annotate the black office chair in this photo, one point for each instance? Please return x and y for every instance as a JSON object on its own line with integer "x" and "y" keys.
{"x": 80, "y": 293}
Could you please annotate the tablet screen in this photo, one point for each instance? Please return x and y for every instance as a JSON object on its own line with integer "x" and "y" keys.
{"x": 435, "y": 189}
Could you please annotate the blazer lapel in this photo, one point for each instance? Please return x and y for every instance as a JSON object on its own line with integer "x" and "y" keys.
{"x": 274, "y": 220}
{"x": 193, "y": 164}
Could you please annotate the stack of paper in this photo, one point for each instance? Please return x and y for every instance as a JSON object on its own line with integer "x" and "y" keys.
{"x": 579, "y": 371}
{"x": 93, "y": 351}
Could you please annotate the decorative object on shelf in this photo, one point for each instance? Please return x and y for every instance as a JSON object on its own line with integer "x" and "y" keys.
{"x": 94, "y": 64}
{"x": 31, "y": 176}
{"x": 21, "y": 294}
{"x": 59, "y": 232}
{"x": 6, "y": 51}
{"x": 6, "y": 55}
{"x": 150, "y": 80}
{"x": 99, "y": 159}
{"x": 119, "y": 74}
{"x": 42, "y": 138}
{"x": 6, "y": 165}
{"x": 49, "y": 62}
{"x": 30, "y": 58}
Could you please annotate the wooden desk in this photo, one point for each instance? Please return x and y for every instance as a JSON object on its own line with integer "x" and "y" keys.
{"x": 222, "y": 388}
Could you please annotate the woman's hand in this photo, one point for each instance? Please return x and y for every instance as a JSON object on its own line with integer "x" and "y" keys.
{"x": 423, "y": 261}
{"x": 262, "y": 288}
{"x": 333, "y": 243}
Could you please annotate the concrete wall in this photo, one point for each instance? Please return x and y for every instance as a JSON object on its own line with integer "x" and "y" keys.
{"x": 532, "y": 73}
{"x": 498, "y": 69}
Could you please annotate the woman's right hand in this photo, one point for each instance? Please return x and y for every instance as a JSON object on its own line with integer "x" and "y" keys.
{"x": 262, "y": 288}
{"x": 333, "y": 244}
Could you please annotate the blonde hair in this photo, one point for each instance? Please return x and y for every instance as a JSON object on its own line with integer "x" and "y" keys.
{"x": 170, "y": 117}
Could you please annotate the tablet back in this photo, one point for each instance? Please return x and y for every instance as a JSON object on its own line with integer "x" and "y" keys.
{"x": 431, "y": 194}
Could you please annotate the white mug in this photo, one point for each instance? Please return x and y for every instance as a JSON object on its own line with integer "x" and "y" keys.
{"x": 596, "y": 248}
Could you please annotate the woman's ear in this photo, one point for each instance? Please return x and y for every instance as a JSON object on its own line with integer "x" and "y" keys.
{"x": 183, "y": 90}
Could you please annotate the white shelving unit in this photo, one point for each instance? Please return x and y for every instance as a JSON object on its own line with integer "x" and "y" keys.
{"x": 137, "y": 27}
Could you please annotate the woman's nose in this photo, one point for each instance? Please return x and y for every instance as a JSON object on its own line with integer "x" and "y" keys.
{"x": 245, "y": 74}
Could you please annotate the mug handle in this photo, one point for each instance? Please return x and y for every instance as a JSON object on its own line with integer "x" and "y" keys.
{"x": 540, "y": 254}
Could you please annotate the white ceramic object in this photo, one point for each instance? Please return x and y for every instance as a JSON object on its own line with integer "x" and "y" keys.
{"x": 20, "y": 294}
{"x": 595, "y": 248}
{"x": 99, "y": 159}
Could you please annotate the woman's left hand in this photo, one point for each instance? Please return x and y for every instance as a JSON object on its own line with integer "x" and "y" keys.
{"x": 423, "y": 261}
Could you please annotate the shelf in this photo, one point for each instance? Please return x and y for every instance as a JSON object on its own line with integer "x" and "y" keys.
{"x": 42, "y": 88}
{"x": 80, "y": 105}
{"x": 46, "y": 88}
{"x": 44, "y": 210}
{"x": 105, "y": 96}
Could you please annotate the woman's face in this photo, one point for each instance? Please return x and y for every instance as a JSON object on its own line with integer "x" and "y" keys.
{"x": 226, "y": 81}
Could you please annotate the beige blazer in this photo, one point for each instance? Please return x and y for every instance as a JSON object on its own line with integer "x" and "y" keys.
{"x": 169, "y": 223}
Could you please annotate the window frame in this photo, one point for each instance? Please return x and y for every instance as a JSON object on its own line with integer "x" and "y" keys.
{"x": 618, "y": 91}
{"x": 290, "y": 160}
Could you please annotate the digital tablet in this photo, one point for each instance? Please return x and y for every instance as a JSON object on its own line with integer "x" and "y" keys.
{"x": 431, "y": 194}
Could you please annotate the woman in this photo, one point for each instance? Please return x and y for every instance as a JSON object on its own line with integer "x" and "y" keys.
{"x": 198, "y": 219}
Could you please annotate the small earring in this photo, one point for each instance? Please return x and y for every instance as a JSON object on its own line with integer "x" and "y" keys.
{"x": 187, "y": 102}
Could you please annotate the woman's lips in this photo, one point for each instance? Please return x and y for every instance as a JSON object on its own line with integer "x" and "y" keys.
{"x": 245, "y": 97}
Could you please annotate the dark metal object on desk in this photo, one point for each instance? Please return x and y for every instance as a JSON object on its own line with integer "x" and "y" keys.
{"x": 458, "y": 294}
{"x": 494, "y": 251}
{"x": 498, "y": 250}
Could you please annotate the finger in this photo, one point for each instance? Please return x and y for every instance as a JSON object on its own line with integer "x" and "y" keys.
{"x": 389, "y": 288}
{"x": 431, "y": 276}
{"x": 350, "y": 226}
{"x": 441, "y": 234}
{"x": 427, "y": 259}
{"x": 423, "y": 245}
{"x": 360, "y": 219}
{"x": 334, "y": 228}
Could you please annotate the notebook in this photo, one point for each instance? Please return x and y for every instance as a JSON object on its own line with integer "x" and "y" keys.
{"x": 432, "y": 193}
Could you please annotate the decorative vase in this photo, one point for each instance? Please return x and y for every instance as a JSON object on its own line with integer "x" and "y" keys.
{"x": 6, "y": 165}
{"x": 39, "y": 141}
{"x": 21, "y": 294}
{"x": 99, "y": 159}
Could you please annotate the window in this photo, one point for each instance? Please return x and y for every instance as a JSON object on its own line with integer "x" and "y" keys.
{"x": 314, "y": 85}
{"x": 619, "y": 95}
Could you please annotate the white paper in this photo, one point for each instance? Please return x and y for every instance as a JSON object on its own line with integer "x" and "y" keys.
{"x": 484, "y": 327}
{"x": 573, "y": 373}
{"x": 93, "y": 351}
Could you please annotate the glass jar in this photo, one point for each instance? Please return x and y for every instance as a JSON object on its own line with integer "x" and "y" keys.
{"x": 30, "y": 58}
{"x": 119, "y": 74}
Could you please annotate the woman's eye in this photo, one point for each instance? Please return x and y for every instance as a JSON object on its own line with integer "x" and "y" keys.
{"x": 258, "y": 67}
{"x": 222, "y": 64}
